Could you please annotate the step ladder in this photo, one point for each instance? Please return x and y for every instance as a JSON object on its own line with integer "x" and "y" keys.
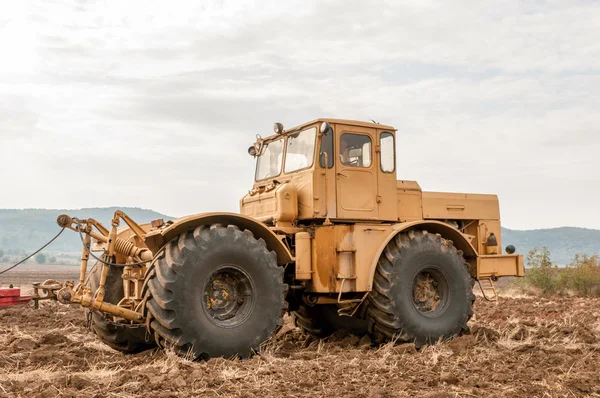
{"x": 488, "y": 290}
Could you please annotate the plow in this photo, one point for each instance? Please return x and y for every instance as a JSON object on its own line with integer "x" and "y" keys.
{"x": 326, "y": 233}
{"x": 12, "y": 296}
{"x": 41, "y": 291}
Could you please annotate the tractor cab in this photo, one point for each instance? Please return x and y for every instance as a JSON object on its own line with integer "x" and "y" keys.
{"x": 324, "y": 169}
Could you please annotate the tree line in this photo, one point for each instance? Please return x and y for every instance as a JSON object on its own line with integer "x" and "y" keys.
{"x": 15, "y": 255}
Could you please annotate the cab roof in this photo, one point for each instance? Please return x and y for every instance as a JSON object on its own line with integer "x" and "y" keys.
{"x": 347, "y": 122}
{"x": 344, "y": 121}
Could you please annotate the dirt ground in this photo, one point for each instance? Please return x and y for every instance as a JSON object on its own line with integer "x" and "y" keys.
{"x": 523, "y": 346}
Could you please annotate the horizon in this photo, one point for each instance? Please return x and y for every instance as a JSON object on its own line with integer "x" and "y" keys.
{"x": 179, "y": 216}
{"x": 39, "y": 224}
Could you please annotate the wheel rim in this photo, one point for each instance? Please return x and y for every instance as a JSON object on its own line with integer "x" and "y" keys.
{"x": 430, "y": 292}
{"x": 228, "y": 296}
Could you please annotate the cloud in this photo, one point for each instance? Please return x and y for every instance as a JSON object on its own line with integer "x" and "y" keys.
{"x": 18, "y": 116}
{"x": 153, "y": 104}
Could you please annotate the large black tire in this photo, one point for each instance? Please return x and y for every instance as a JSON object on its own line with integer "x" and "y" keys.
{"x": 311, "y": 321}
{"x": 322, "y": 320}
{"x": 215, "y": 292}
{"x": 120, "y": 337}
{"x": 422, "y": 291}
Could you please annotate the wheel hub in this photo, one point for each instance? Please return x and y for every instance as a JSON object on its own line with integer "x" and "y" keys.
{"x": 228, "y": 296}
{"x": 430, "y": 292}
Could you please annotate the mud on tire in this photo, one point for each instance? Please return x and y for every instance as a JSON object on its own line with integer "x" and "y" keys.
{"x": 422, "y": 291}
{"x": 120, "y": 337}
{"x": 215, "y": 292}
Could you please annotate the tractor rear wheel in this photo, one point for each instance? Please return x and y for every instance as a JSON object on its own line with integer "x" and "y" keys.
{"x": 322, "y": 320}
{"x": 215, "y": 292}
{"x": 422, "y": 291}
{"x": 121, "y": 337}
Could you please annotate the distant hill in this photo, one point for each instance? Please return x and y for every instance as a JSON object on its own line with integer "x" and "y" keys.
{"x": 30, "y": 228}
{"x": 563, "y": 242}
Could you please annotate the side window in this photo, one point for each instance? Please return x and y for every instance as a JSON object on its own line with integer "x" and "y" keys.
{"x": 355, "y": 150}
{"x": 326, "y": 148}
{"x": 388, "y": 147}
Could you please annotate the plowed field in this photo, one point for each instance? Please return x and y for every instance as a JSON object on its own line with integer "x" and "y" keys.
{"x": 522, "y": 347}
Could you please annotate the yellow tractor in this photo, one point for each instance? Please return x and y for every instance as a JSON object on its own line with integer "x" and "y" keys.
{"x": 327, "y": 232}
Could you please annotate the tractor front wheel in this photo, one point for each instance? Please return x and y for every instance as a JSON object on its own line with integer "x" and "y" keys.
{"x": 215, "y": 291}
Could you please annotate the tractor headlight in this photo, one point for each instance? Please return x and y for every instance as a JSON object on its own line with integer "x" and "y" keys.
{"x": 278, "y": 128}
{"x": 325, "y": 128}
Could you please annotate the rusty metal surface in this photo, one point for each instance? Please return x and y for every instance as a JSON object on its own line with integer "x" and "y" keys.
{"x": 342, "y": 256}
{"x": 425, "y": 293}
{"x": 303, "y": 256}
{"x": 325, "y": 256}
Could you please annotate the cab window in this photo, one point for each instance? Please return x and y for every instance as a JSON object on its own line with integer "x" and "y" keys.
{"x": 300, "y": 150}
{"x": 326, "y": 151}
{"x": 355, "y": 150}
{"x": 387, "y": 145}
{"x": 268, "y": 163}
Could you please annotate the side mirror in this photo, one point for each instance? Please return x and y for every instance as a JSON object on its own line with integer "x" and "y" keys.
{"x": 252, "y": 151}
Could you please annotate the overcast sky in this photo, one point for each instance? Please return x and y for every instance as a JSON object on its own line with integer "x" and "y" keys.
{"x": 153, "y": 104}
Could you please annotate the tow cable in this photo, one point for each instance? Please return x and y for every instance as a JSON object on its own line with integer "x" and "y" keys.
{"x": 34, "y": 253}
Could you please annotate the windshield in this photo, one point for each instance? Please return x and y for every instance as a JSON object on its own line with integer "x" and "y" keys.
{"x": 300, "y": 150}
{"x": 269, "y": 161}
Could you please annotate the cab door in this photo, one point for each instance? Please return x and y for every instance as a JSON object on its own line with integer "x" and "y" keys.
{"x": 356, "y": 173}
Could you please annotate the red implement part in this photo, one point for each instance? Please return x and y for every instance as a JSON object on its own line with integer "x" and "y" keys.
{"x": 12, "y": 296}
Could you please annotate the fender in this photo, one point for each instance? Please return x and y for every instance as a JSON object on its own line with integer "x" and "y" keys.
{"x": 157, "y": 239}
{"x": 446, "y": 231}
